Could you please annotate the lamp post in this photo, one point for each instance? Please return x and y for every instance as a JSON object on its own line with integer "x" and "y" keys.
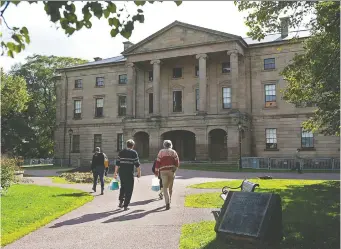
{"x": 70, "y": 135}
{"x": 240, "y": 129}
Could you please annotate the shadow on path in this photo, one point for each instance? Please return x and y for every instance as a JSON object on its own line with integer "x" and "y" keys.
{"x": 137, "y": 214}
{"x": 86, "y": 218}
{"x": 140, "y": 203}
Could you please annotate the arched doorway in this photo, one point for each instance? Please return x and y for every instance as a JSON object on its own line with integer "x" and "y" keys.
{"x": 217, "y": 144}
{"x": 141, "y": 139}
{"x": 183, "y": 143}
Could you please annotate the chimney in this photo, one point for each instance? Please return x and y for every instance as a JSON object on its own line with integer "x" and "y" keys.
{"x": 284, "y": 26}
{"x": 127, "y": 45}
{"x": 97, "y": 58}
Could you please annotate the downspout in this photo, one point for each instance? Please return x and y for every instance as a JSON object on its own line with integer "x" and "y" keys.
{"x": 65, "y": 113}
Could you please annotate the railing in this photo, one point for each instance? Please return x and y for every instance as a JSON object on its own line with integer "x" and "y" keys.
{"x": 51, "y": 162}
{"x": 291, "y": 163}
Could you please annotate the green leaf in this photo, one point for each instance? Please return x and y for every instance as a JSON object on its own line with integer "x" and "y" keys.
{"x": 10, "y": 53}
{"x": 140, "y": 11}
{"x": 114, "y": 32}
{"x": 17, "y": 38}
{"x": 96, "y": 8}
{"x": 87, "y": 24}
{"x": 79, "y": 25}
{"x": 24, "y": 30}
{"x": 70, "y": 30}
{"x": 178, "y": 3}
{"x": 111, "y": 7}
{"x": 106, "y": 13}
{"x": 10, "y": 45}
{"x": 126, "y": 34}
{"x": 116, "y": 22}
{"x": 15, "y": 2}
{"x": 139, "y": 3}
{"x": 17, "y": 49}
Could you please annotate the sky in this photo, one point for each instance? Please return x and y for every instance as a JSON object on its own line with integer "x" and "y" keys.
{"x": 46, "y": 39}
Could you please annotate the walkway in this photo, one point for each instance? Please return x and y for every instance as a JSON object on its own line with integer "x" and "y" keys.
{"x": 100, "y": 224}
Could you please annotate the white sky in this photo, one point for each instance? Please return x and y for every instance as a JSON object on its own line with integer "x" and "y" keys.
{"x": 97, "y": 42}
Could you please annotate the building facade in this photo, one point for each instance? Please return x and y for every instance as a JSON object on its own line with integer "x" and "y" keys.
{"x": 215, "y": 95}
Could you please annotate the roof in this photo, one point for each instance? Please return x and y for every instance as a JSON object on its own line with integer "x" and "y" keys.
{"x": 115, "y": 59}
{"x": 277, "y": 37}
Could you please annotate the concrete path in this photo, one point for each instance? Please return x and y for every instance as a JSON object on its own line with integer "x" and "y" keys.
{"x": 101, "y": 224}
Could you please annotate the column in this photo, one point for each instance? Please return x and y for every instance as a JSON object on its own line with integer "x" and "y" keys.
{"x": 156, "y": 87}
{"x": 233, "y": 144}
{"x": 202, "y": 83}
{"x": 234, "y": 76}
{"x": 130, "y": 89}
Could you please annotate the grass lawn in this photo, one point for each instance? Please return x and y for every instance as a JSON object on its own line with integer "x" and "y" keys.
{"x": 62, "y": 180}
{"x": 225, "y": 168}
{"x": 311, "y": 214}
{"x": 28, "y": 207}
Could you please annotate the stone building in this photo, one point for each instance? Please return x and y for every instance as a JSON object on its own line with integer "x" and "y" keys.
{"x": 213, "y": 94}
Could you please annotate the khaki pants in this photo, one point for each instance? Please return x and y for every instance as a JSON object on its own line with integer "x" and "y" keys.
{"x": 167, "y": 182}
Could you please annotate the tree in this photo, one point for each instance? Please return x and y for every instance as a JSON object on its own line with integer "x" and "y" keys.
{"x": 40, "y": 118}
{"x": 314, "y": 76}
{"x": 14, "y": 100}
{"x": 64, "y": 13}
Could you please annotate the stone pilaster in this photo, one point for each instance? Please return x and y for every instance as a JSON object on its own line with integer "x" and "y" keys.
{"x": 234, "y": 76}
{"x": 232, "y": 143}
{"x": 201, "y": 144}
{"x": 202, "y": 83}
{"x": 130, "y": 89}
{"x": 156, "y": 86}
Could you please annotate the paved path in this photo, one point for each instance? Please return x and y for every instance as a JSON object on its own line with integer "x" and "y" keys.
{"x": 100, "y": 224}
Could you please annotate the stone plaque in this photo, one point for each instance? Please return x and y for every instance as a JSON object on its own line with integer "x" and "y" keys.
{"x": 256, "y": 216}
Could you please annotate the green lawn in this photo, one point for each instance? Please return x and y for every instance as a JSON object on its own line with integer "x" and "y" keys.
{"x": 311, "y": 214}
{"x": 27, "y": 207}
{"x": 229, "y": 168}
{"x": 63, "y": 180}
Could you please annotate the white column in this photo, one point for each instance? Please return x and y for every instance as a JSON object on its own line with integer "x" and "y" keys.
{"x": 234, "y": 77}
{"x": 130, "y": 89}
{"x": 156, "y": 86}
{"x": 202, "y": 83}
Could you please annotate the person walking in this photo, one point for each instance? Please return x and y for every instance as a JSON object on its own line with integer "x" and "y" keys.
{"x": 98, "y": 168}
{"x": 160, "y": 180}
{"x": 298, "y": 161}
{"x": 167, "y": 163}
{"x": 125, "y": 163}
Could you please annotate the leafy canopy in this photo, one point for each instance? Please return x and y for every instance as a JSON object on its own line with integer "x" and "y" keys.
{"x": 65, "y": 14}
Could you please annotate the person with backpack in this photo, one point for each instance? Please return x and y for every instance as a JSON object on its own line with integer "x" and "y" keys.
{"x": 153, "y": 169}
{"x": 98, "y": 168}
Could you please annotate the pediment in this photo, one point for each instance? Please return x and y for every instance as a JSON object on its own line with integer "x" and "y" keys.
{"x": 149, "y": 90}
{"x": 177, "y": 35}
{"x": 177, "y": 86}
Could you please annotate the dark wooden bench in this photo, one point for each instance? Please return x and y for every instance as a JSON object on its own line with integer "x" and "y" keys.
{"x": 246, "y": 186}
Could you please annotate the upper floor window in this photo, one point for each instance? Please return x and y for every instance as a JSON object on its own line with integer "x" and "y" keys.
{"x": 225, "y": 67}
{"x": 177, "y": 101}
{"x": 99, "y": 107}
{"x": 177, "y": 72}
{"x": 99, "y": 81}
{"x": 122, "y": 79}
{"x": 75, "y": 143}
{"x": 78, "y": 83}
{"x": 122, "y": 105}
{"x": 196, "y": 71}
{"x": 150, "y": 102}
{"x": 270, "y": 95}
{"x": 269, "y": 63}
{"x": 77, "y": 109}
{"x": 98, "y": 141}
{"x": 120, "y": 141}
{"x": 271, "y": 138}
{"x": 227, "y": 100}
{"x": 197, "y": 99}
{"x": 307, "y": 139}
{"x": 150, "y": 76}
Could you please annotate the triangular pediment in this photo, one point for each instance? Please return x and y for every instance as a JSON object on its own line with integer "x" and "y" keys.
{"x": 178, "y": 35}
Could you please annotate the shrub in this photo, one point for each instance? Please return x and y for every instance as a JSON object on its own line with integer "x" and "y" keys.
{"x": 8, "y": 166}
{"x": 78, "y": 177}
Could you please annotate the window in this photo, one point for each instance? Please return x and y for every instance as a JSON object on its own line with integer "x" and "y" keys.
{"x": 97, "y": 141}
{"x": 150, "y": 102}
{"x": 99, "y": 81}
{"x": 122, "y": 79}
{"x": 78, "y": 83}
{"x": 227, "y": 103}
{"x": 122, "y": 105}
{"x": 270, "y": 95}
{"x": 225, "y": 67}
{"x": 269, "y": 63}
{"x": 177, "y": 101}
{"x": 197, "y": 99}
{"x": 307, "y": 139}
{"x": 99, "y": 107}
{"x": 177, "y": 72}
{"x": 196, "y": 71}
{"x": 75, "y": 143}
{"x": 119, "y": 141}
{"x": 150, "y": 76}
{"x": 77, "y": 113}
{"x": 271, "y": 138}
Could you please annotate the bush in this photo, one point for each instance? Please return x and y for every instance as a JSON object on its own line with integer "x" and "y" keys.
{"x": 8, "y": 166}
{"x": 78, "y": 177}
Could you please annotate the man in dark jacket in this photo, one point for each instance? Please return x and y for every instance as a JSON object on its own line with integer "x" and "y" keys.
{"x": 98, "y": 169}
{"x": 153, "y": 169}
{"x": 127, "y": 159}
